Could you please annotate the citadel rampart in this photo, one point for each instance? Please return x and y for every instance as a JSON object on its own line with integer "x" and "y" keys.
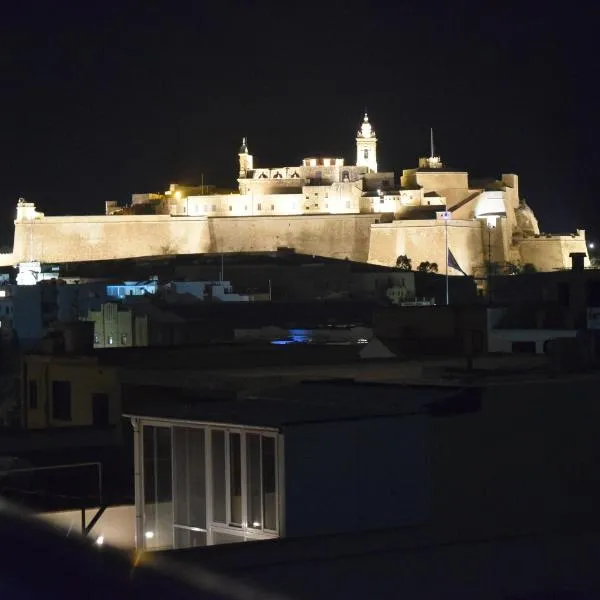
{"x": 64, "y": 239}
{"x": 337, "y": 236}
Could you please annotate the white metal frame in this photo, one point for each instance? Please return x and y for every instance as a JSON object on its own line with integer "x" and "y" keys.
{"x": 245, "y": 531}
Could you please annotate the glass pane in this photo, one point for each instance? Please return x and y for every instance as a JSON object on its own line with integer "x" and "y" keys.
{"x": 158, "y": 505}
{"x": 189, "y": 482}
{"x": 180, "y": 477}
{"x": 197, "y": 478}
{"x": 254, "y": 495}
{"x": 184, "y": 538}
{"x": 269, "y": 483}
{"x": 218, "y": 476}
{"x": 235, "y": 477}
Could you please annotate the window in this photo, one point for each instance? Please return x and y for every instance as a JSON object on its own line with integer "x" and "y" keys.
{"x": 246, "y": 207}
{"x": 259, "y": 206}
{"x": 244, "y": 482}
{"x": 158, "y": 490}
{"x": 61, "y": 400}
{"x": 347, "y": 203}
{"x": 214, "y": 208}
{"x": 96, "y": 338}
{"x": 123, "y": 339}
{"x": 366, "y": 153}
{"x": 110, "y": 340}
{"x": 189, "y": 487}
{"x": 253, "y": 478}
{"x": 219, "y": 507}
{"x": 235, "y": 479}
{"x": 269, "y": 483}
{"x": 100, "y": 410}
{"x": 230, "y": 209}
{"x": 33, "y": 394}
{"x": 261, "y": 482}
{"x": 272, "y": 207}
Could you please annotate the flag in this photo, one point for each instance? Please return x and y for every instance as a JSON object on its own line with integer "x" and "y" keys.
{"x": 453, "y": 263}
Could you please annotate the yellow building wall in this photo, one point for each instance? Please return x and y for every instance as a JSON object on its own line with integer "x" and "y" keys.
{"x": 86, "y": 379}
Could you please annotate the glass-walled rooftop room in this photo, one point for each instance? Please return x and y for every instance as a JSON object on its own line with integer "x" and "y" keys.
{"x": 205, "y": 484}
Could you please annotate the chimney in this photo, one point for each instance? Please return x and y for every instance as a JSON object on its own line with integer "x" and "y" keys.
{"x": 577, "y": 261}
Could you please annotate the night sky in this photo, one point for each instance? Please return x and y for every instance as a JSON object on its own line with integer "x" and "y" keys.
{"x": 102, "y": 99}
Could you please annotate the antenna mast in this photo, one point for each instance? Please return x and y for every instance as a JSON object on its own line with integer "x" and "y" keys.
{"x": 431, "y": 142}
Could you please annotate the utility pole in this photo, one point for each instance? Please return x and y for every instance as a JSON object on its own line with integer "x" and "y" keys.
{"x": 446, "y": 215}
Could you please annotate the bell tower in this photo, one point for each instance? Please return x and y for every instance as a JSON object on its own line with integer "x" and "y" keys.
{"x": 246, "y": 160}
{"x": 366, "y": 146}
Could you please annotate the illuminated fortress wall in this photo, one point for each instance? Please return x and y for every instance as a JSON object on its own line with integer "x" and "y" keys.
{"x": 337, "y": 236}
{"x": 64, "y": 239}
{"x": 359, "y": 237}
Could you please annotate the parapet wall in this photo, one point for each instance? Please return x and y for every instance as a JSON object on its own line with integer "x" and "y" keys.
{"x": 551, "y": 252}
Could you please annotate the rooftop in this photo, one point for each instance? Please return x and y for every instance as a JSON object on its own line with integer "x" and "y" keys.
{"x": 416, "y": 563}
{"x": 307, "y": 403}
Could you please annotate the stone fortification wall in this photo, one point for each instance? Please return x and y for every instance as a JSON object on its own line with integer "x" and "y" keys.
{"x": 337, "y": 236}
{"x": 550, "y": 252}
{"x": 425, "y": 240}
{"x": 63, "y": 239}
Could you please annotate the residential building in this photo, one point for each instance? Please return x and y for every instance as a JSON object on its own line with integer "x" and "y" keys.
{"x": 65, "y": 391}
{"x": 230, "y": 471}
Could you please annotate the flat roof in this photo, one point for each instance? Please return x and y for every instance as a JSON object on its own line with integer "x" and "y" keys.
{"x": 422, "y": 562}
{"x": 309, "y": 402}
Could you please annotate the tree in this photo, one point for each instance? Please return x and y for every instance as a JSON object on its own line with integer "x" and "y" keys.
{"x": 513, "y": 268}
{"x": 529, "y": 268}
{"x": 427, "y": 267}
{"x": 404, "y": 263}
{"x": 493, "y": 268}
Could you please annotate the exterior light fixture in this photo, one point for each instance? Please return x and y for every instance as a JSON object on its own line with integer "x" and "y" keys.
{"x": 100, "y": 540}
{"x": 149, "y": 535}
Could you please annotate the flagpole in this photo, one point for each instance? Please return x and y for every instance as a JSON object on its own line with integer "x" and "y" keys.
{"x": 447, "y": 267}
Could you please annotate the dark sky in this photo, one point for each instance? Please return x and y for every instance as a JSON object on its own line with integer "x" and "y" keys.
{"x": 102, "y": 99}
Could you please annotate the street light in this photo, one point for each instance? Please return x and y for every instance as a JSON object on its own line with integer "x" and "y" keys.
{"x": 591, "y": 245}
